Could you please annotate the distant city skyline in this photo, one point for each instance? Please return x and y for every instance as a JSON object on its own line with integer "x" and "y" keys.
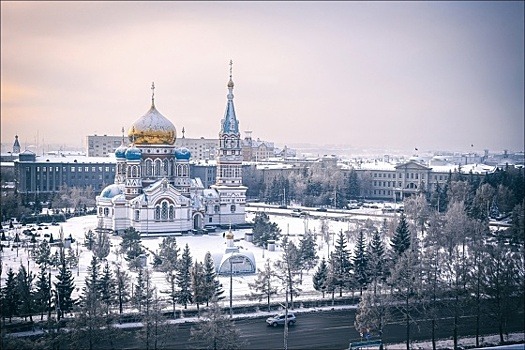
{"x": 392, "y": 75}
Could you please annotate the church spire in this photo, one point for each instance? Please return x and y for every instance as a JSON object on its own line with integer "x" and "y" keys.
{"x": 229, "y": 124}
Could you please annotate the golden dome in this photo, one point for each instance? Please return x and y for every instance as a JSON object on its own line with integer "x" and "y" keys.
{"x": 229, "y": 235}
{"x": 152, "y": 129}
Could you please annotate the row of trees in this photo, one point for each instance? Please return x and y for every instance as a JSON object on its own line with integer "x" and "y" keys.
{"x": 327, "y": 184}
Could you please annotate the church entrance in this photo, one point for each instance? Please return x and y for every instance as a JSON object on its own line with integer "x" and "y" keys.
{"x": 197, "y": 221}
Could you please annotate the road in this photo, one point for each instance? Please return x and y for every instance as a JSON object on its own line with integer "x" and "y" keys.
{"x": 326, "y": 330}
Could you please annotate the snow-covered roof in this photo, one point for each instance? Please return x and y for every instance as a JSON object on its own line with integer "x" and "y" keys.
{"x": 79, "y": 159}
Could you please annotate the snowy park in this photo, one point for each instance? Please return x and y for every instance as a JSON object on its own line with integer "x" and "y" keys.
{"x": 14, "y": 255}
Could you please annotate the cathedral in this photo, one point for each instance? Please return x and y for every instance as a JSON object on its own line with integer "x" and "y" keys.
{"x": 153, "y": 192}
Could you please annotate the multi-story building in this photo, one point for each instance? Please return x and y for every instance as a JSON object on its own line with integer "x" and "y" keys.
{"x": 256, "y": 150}
{"x": 102, "y": 145}
{"x": 201, "y": 149}
{"x": 46, "y": 174}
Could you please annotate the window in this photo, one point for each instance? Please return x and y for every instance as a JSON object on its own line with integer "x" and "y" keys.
{"x": 171, "y": 212}
{"x": 106, "y": 211}
{"x": 164, "y": 214}
{"x": 157, "y": 213}
{"x": 137, "y": 215}
{"x": 232, "y": 208}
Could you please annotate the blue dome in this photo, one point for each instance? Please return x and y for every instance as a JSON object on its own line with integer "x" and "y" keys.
{"x": 112, "y": 191}
{"x": 182, "y": 153}
{"x": 120, "y": 152}
{"x": 133, "y": 153}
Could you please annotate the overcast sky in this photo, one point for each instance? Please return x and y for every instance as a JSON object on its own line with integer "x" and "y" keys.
{"x": 432, "y": 75}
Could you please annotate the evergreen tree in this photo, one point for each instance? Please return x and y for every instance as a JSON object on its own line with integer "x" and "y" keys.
{"x": 400, "y": 242}
{"x": 24, "y": 284}
{"x": 106, "y": 287}
{"x": 144, "y": 292}
{"x": 263, "y": 286}
{"x": 360, "y": 263}
{"x": 341, "y": 264}
{"x": 213, "y": 286}
{"x": 183, "y": 278}
{"x": 131, "y": 244}
{"x": 320, "y": 277}
{"x": 122, "y": 286}
{"x": 11, "y": 296}
{"x": 308, "y": 251}
{"x": 91, "y": 297}
{"x": 264, "y": 230}
{"x": 168, "y": 254}
{"x": 198, "y": 285}
{"x": 43, "y": 292}
{"x": 376, "y": 265}
{"x": 63, "y": 288}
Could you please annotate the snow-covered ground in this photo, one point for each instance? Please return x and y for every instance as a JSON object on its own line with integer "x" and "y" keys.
{"x": 198, "y": 244}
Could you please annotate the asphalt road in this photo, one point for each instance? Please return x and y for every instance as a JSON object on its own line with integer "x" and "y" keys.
{"x": 327, "y": 330}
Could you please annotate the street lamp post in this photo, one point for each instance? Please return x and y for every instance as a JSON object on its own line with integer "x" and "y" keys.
{"x": 231, "y": 287}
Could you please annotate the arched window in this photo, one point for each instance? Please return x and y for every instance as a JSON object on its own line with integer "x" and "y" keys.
{"x": 157, "y": 213}
{"x": 100, "y": 211}
{"x": 185, "y": 170}
{"x": 134, "y": 171}
{"x": 106, "y": 211}
{"x": 149, "y": 167}
{"x": 217, "y": 208}
{"x": 157, "y": 167}
{"x": 232, "y": 208}
{"x": 164, "y": 214}
{"x": 166, "y": 168}
{"x": 171, "y": 212}
{"x": 137, "y": 215}
{"x": 179, "y": 170}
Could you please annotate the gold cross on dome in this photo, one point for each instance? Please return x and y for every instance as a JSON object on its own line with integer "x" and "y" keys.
{"x": 231, "y": 65}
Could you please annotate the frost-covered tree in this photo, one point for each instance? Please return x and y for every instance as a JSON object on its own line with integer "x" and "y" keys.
{"x": 287, "y": 269}
{"x": 264, "y": 286}
{"x": 101, "y": 246}
{"x": 42, "y": 254}
{"x": 217, "y": 332}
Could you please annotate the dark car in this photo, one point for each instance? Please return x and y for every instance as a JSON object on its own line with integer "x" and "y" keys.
{"x": 321, "y": 209}
{"x": 279, "y": 319}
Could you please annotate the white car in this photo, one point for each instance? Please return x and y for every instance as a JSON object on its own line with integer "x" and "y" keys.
{"x": 279, "y": 319}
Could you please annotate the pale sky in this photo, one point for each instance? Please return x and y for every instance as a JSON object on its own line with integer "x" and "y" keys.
{"x": 432, "y": 75}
